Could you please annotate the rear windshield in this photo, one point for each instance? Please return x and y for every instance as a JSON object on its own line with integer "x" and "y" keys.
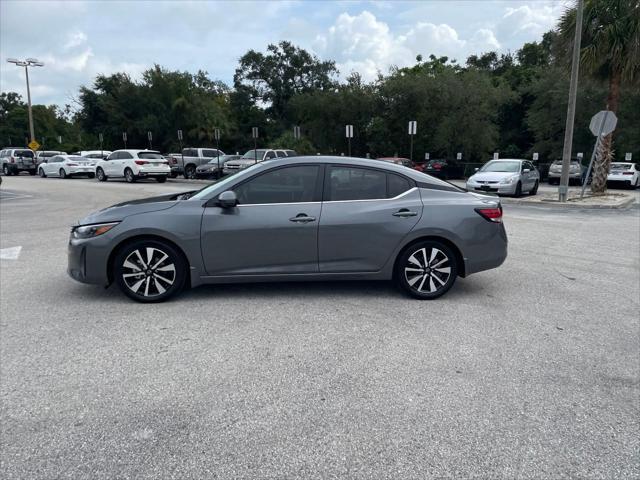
{"x": 76, "y": 158}
{"x": 23, "y": 153}
{"x": 620, "y": 166}
{"x": 150, "y": 156}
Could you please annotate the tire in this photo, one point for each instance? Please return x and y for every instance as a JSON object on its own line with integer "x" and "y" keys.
{"x": 149, "y": 279}
{"x": 32, "y": 172}
{"x": 6, "y": 170}
{"x": 534, "y": 190}
{"x": 41, "y": 173}
{"x": 161, "y": 179}
{"x": 415, "y": 272}
{"x": 101, "y": 176}
{"x": 551, "y": 182}
{"x": 62, "y": 173}
{"x": 129, "y": 176}
{"x": 190, "y": 172}
{"x": 173, "y": 174}
{"x": 518, "y": 192}
{"x": 91, "y": 175}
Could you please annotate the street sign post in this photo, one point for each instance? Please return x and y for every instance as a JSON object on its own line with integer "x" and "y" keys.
{"x": 150, "y": 138}
{"x": 602, "y": 124}
{"x": 34, "y": 145}
{"x": 124, "y": 139}
{"x": 535, "y": 156}
{"x": 413, "y": 128}
{"x": 216, "y": 135}
{"x": 59, "y": 138}
{"x": 627, "y": 157}
{"x": 296, "y": 132}
{"x": 496, "y": 155}
{"x": 349, "y": 135}
{"x": 459, "y": 156}
{"x": 180, "y": 138}
{"x": 254, "y": 134}
{"x": 426, "y": 156}
{"x": 101, "y": 138}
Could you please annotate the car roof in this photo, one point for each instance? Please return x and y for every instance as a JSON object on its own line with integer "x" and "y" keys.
{"x": 133, "y": 150}
{"x": 509, "y": 160}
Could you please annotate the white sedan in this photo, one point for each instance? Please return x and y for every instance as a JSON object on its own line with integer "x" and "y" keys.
{"x": 133, "y": 165}
{"x": 65, "y": 166}
{"x": 624, "y": 173}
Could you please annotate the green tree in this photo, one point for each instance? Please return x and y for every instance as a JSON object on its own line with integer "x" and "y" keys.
{"x": 610, "y": 50}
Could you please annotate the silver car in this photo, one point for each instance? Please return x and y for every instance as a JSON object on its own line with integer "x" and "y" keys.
{"x": 506, "y": 177}
{"x": 303, "y": 218}
{"x": 248, "y": 159}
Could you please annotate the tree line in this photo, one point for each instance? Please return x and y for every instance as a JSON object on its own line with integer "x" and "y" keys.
{"x": 511, "y": 103}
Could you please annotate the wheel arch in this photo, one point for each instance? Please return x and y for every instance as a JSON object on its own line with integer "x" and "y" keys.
{"x": 454, "y": 248}
{"x": 146, "y": 236}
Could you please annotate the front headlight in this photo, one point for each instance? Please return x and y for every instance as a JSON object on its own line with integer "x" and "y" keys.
{"x": 90, "y": 231}
{"x": 508, "y": 180}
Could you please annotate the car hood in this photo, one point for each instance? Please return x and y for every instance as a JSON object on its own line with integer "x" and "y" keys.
{"x": 118, "y": 212}
{"x": 491, "y": 176}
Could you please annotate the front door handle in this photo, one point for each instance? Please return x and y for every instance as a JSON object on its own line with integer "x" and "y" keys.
{"x": 405, "y": 212}
{"x": 302, "y": 218}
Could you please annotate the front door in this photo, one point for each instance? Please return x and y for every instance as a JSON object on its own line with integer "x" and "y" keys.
{"x": 274, "y": 228}
{"x": 365, "y": 216}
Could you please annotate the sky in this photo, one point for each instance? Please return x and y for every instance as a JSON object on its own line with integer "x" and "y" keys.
{"x": 78, "y": 40}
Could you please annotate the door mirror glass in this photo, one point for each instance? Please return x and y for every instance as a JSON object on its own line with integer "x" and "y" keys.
{"x": 228, "y": 199}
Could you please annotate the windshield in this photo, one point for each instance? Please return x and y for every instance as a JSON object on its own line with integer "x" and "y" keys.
{"x": 223, "y": 158}
{"x": 620, "y": 166}
{"x": 150, "y": 156}
{"x": 251, "y": 155}
{"x": 513, "y": 167}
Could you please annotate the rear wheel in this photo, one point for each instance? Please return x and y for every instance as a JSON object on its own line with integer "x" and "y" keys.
{"x": 91, "y": 175}
{"x": 161, "y": 179}
{"x": 6, "y": 170}
{"x": 129, "y": 176}
{"x": 62, "y": 173}
{"x": 149, "y": 271}
{"x": 426, "y": 270}
{"x": 101, "y": 175}
{"x": 190, "y": 171}
{"x": 41, "y": 173}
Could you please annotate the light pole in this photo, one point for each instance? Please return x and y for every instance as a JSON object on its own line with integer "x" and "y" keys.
{"x": 29, "y": 62}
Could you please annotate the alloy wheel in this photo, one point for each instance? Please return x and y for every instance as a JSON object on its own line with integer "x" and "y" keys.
{"x": 427, "y": 270}
{"x": 148, "y": 272}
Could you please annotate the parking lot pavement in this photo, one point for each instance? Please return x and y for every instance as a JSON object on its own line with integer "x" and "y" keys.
{"x": 528, "y": 371}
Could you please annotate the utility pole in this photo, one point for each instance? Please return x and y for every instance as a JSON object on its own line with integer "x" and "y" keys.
{"x": 29, "y": 62}
{"x": 563, "y": 187}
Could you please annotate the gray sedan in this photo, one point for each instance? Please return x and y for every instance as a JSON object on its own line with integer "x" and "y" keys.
{"x": 506, "y": 177}
{"x": 304, "y": 218}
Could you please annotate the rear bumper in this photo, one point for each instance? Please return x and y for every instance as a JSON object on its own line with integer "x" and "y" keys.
{"x": 572, "y": 175}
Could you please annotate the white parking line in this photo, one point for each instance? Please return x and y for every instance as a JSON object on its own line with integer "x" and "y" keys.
{"x": 11, "y": 253}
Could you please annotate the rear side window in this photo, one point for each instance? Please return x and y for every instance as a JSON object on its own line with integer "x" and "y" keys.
{"x": 346, "y": 183}
{"x": 280, "y": 153}
{"x": 396, "y": 185}
{"x": 209, "y": 153}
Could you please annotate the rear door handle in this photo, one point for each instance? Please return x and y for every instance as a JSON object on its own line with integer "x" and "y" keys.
{"x": 404, "y": 212}
{"x": 302, "y": 218}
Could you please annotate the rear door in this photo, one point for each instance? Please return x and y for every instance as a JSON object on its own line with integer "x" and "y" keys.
{"x": 274, "y": 228}
{"x": 366, "y": 213}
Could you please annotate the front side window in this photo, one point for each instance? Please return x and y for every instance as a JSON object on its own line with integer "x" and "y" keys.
{"x": 271, "y": 154}
{"x": 347, "y": 183}
{"x": 283, "y": 185}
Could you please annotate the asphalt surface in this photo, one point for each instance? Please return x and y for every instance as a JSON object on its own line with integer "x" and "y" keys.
{"x": 527, "y": 371}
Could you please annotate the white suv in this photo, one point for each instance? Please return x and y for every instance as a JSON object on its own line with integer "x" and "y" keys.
{"x": 132, "y": 165}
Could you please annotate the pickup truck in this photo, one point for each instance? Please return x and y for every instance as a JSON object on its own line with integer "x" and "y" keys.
{"x": 193, "y": 157}
{"x": 16, "y": 160}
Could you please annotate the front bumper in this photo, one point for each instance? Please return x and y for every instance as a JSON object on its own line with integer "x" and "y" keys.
{"x": 87, "y": 260}
{"x": 572, "y": 175}
{"x": 496, "y": 188}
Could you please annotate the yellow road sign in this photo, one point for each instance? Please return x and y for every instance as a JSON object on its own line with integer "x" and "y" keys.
{"x": 33, "y": 145}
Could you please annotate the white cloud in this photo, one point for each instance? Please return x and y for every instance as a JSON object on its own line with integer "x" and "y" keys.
{"x": 535, "y": 19}
{"x": 75, "y": 39}
{"x": 484, "y": 39}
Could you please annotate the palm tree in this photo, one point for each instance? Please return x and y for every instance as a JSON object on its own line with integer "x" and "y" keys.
{"x": 610, "y": 51}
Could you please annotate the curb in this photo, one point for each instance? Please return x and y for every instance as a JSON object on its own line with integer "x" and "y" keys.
{"x": 625, "y": 203}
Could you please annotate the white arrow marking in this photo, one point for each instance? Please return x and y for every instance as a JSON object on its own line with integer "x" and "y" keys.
{"x": 10, "y": 253}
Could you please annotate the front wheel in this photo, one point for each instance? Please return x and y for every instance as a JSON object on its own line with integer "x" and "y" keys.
{"x": 6, "y": 170}
{"x": 101, "y": 175}
{"x": 534, "y": 190}
{"x": 190, "y": 172}
{"x": 426, "y": 270}
{"x": 149, "y": 271}
{"x": 62, "y": 173}
{"x": 129, "y": 176}
{"x": 161, "y": 179}
{"x": 518, "y": 192}
{"x": 41, "y": 173}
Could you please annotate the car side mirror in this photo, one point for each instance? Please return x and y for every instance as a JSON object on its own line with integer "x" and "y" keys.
{"x": 476, "y": 169}
{"x": 526, "y": 170}
{"x": 228, "y": 199}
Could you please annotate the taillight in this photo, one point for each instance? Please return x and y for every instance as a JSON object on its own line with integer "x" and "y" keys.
{"x": 437, "y": 166}
{"x": 13, "y": 160}
{"x": 141, "y": 162}
{"x": 491, "y": 214}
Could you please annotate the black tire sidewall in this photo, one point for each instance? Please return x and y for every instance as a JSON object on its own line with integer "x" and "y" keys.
{"x": 161, "y": 179}
{"x": 176, "y": 257}
{"x": 41, "y": 173}
{"x": 129, "y": 178}
{"x": 101, "y": 178}
{"x": 62, "y": 173}
{"x": 401, "y": 281}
